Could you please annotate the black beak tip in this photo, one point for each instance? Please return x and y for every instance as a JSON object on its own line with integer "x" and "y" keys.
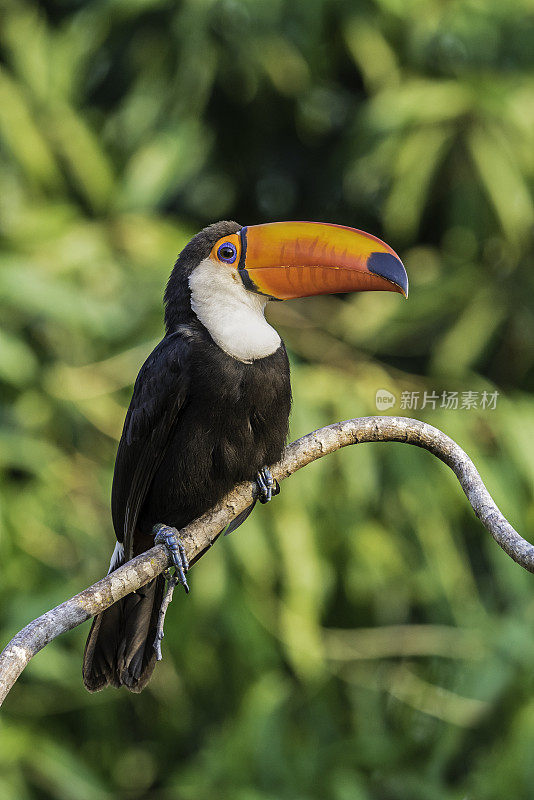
{"x": 389, "y": 267}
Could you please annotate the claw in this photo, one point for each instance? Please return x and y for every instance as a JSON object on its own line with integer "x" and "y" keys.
{"x": 170, "y": 538}
{"x": 267, "y": 486}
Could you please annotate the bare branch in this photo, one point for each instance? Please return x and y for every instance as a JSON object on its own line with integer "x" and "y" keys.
{"x": 200, "y": 534}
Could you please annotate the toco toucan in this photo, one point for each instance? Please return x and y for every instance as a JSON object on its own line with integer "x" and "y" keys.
{"x": 211, "y": 403}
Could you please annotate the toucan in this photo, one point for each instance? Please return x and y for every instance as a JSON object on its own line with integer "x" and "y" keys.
{"x": 211, "y": 403}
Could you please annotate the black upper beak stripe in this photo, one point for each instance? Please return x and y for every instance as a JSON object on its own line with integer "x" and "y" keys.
{"x": 243, "y": 256}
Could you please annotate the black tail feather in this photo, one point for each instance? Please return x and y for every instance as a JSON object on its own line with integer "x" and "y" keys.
{"x": 119, "y": 649}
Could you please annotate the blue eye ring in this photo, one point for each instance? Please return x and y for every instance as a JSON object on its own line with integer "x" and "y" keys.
{"x": 227, "y": 252}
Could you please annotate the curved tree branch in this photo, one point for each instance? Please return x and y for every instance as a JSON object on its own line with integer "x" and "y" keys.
{"x": 200, "y": 534}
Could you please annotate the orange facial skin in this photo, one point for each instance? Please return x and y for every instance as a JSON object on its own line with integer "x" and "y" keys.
{"x": 286, "y": 260}
{"x": 235, "y": 240}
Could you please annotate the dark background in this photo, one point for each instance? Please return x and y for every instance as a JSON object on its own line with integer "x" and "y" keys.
{"x": 362, "y": 637}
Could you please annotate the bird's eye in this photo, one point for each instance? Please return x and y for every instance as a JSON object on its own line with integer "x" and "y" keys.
{"x": 227, "y": 252}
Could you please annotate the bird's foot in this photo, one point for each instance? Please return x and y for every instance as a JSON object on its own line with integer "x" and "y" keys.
{"x": 170, "y": 538}
{"x": 268, "y": 487}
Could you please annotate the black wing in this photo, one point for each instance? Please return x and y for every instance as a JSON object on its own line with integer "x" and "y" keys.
{"x": 160, "y": 391}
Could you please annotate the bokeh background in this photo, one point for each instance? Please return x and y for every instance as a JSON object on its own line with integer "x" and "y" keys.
{"x": 362, "y": 637}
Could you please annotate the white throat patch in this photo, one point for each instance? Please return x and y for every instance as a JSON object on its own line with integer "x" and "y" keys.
{"x": 233, "y": 316}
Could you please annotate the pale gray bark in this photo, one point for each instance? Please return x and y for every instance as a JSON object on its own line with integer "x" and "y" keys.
{"x": 201, "y": 533}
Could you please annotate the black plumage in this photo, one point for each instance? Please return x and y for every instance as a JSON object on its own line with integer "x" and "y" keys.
{"x": 199, "y": 422}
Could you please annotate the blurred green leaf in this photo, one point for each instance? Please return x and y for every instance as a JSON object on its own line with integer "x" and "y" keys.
{"x": 22, "y": 135}
{"x": 503, "y": 182}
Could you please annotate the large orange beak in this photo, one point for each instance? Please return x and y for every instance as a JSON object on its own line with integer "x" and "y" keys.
{"x": 298, "y": 259}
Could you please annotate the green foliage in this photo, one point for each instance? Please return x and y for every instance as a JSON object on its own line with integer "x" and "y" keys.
{"x": 361, "y": 637}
